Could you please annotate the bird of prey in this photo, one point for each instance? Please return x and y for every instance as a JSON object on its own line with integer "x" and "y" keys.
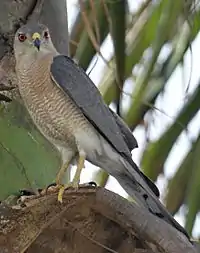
{"x": 70, "y": 112}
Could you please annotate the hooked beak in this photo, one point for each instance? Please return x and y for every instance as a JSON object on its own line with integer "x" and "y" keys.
{"x": 36, "y": 40}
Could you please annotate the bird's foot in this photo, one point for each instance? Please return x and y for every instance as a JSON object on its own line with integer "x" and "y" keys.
{"x": 52, "y": 188}
{"x": 92, "y": 184}
{"x": 74, "y": 185}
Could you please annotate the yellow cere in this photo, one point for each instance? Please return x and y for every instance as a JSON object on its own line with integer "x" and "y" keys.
{"x": 36, "y": 36}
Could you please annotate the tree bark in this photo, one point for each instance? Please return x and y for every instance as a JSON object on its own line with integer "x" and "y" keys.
{"x": 90, "y": 220}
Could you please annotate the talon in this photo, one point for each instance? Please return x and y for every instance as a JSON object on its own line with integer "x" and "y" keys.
{"x": 51, "y": 188}
{"x": 50, "y": 185}
{"x": 25, "y": 192}
{"x": 60, "y": 194}
{"x": 74, "y": 185}
{"x": 92, "y": 183}
{"x": 28, "y": 192}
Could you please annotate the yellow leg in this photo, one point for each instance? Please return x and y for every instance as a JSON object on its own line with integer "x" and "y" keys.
{"x": 62, "y": 172}
{"x": 80, "y": 166}
{"x": 76, "y": 179}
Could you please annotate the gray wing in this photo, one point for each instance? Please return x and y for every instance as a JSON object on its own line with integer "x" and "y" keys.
{"x": 73, "y": 80}
{"x": 126, "y": 132}
{"x": 75, "y": 83}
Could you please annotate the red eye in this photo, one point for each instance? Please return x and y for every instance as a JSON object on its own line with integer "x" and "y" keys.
{"x": 46, "y": 35}
{"x": 21, "y": 37}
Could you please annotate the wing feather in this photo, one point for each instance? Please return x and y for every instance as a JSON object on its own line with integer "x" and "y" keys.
{"x": 73, "y": 80}
{"x": 70, "y": 78}
{"x": 126, "y": 132}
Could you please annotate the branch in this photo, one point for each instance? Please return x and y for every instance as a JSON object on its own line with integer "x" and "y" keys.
{"x": 89, "y": 220}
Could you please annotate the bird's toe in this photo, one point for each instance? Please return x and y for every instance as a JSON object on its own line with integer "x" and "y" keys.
{"x": 74, "y": 185}
{"x": 60, "y": 194}
{"x": 51, "y": 188}
{"x": 92, "y": 183}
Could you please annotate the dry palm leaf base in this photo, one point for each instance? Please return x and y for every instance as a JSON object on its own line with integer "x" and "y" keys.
{"x": 89, "y": 220}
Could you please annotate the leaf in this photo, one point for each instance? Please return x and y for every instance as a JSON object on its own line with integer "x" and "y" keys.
{"x": 117, "y": 11}
{"x": 86, "y": 48}
{"x": 178, "y": 185}
{"x": 157, "y": 152}
{"x": 138, "y": 38}
{"x": 27, "y": 159}
{"x": 101, "y": 178}
{"x": 193, "y": 191}
{"x": 78, "y": 28}
{"x": 169, "y": 15}
{"x": 160, "y": 77}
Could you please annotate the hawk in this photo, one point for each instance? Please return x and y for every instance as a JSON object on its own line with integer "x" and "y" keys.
{"x": 69, "y": 111}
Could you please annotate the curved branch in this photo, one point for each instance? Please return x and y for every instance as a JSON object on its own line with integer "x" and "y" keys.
{"x": 92, "y": 219}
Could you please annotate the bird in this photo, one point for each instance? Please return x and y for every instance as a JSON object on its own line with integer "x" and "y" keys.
{"x": 69, "y": 111}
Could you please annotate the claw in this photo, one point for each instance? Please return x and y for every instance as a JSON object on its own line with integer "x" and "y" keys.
{"x": 72, "y": 184}
{"x": 60, "y": 194}
{"x": 51, "y": 188}
{"x": 92, "y": 183}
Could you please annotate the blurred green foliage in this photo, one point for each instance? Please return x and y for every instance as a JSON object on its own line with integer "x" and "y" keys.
{"x": 148, "y": 29}
{"x": 27, "y": 160}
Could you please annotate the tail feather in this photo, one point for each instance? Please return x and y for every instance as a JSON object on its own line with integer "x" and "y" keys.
{"x": 140, "y": 190}
{"x": 134, "y": 182}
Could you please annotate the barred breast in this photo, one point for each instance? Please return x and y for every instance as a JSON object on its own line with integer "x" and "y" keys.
{"x": 53, "y": 112}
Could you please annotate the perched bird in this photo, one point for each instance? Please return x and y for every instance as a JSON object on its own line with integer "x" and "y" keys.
{"x": 69, "y": 111}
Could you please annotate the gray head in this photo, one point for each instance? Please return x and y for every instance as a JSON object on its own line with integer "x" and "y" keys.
{"x": 32, "y": 40}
